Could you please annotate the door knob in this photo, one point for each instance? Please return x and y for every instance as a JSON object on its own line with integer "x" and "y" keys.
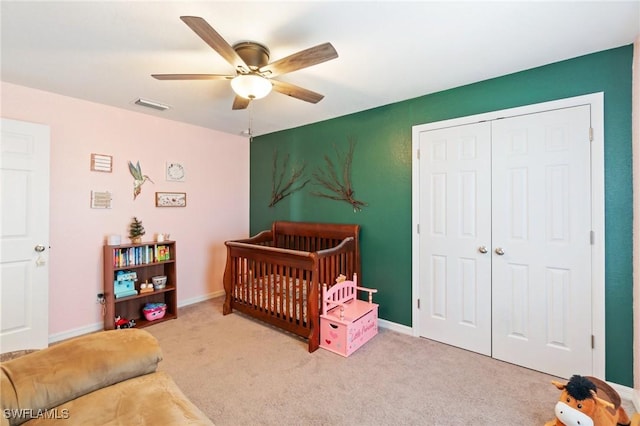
{"x": 482, "y": 249}
{"x": 39, "y": 248}
{"x": 499, "y": 251}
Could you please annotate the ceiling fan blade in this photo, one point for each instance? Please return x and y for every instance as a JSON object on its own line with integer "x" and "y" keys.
{"x": 191, "y": 77}
{"x": 296, "y": 92}
{"x": 240, "y": 103}
{"x": 215, "y": 40}
{"x": 303, "y": 59}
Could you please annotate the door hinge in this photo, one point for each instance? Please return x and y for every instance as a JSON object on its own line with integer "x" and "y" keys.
{"x": 593, "y": 341}
{"x": 418, "y": 303}
{"x": 418, "y": 154}
{"x": 592, "y": 237}
{"x": 590, "y": 134}
{"x": 418, "y": 228}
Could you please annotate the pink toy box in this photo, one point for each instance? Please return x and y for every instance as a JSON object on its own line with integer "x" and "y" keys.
{"x": 154, "y": 311}
{"x": 346, "y": 322}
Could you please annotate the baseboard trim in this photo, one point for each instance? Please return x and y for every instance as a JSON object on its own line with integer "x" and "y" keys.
{"x": 99, "y": 326}
{"x": 628, "y": 394}
{"x": 91, "y": 328}
{"x": 199, "y": 299}
{"x": 395, "y": 327}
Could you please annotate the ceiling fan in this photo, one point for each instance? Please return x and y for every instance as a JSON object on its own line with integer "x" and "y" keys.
{"x": 254, "y": 74}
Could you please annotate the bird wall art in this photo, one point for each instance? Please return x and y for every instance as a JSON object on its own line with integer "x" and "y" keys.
{"x": 138, "y": 178}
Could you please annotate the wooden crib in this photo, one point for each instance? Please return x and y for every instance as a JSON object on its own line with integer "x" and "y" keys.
{"x": 277, "y": 275}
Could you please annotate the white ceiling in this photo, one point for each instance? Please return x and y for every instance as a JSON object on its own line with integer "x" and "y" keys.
{"x": 389, "y": 51}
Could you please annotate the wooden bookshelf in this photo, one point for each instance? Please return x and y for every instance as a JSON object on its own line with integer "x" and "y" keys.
{"x": 146, "y": 260}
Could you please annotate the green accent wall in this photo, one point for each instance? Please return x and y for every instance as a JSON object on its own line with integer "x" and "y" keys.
{"x": 381, "y": 177}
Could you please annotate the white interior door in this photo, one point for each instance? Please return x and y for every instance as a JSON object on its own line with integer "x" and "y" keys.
{"x": 455, "y": 236}
{"x": 542, "y": 225}
{"x": 24, "y": 235}
{"x": 521, "y": 188}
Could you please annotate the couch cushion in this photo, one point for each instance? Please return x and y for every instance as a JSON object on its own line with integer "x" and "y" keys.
{"x": 153, "y": 399}
{"x": 78, "y": 366}
{"x": 9, "y": 397}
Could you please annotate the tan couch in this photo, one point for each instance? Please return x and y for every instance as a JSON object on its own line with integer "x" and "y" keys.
{"x": 105, "y": 378}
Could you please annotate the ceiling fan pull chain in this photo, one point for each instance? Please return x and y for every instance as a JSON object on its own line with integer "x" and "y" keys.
{"x": 250, "y": 122}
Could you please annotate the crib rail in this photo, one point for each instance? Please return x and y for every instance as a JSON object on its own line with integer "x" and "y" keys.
{"x": 316, "y": 237}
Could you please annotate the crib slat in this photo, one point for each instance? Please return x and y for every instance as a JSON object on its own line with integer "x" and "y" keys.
{"x": 299, "y": 283}
{"x": 280, "y": 289}
{"x": 288, "y": 289}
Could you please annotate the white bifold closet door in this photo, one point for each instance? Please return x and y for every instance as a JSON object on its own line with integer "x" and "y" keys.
{"x": 505, "y": 239}
{"x": 455, "y": 222}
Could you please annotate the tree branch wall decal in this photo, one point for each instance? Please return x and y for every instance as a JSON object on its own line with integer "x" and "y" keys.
{"x": 279, "y": 189}
{"x": 340, "y": 187}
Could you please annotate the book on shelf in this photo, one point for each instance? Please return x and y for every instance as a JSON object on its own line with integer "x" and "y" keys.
{"x": 162, "y": 253}
{"x": 141, "y": 255}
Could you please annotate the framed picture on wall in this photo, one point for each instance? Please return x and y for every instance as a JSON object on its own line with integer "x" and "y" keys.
{"x": 171, "y": 199}
{"x": 101, "y": 163}
{"x": 175, "y": 172}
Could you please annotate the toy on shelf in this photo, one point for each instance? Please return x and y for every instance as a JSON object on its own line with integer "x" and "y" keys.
{"x": 589, "y": 401}
{"x": 146, "y": 287}
{"x": 124, "y": 323}
{"x": 154, "y": 311}
{"x": 124, "y": 284}
{"x": 159, "y": 282}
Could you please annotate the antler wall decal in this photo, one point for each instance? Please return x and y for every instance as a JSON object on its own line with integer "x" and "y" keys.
{"x": 340, "y": 188}
{"x": 278, "y": 191}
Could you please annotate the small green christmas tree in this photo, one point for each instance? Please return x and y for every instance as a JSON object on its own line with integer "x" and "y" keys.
{"x": 136, "y": 231}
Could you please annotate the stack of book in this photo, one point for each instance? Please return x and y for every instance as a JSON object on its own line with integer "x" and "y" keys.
{"x": 141, "y": 255}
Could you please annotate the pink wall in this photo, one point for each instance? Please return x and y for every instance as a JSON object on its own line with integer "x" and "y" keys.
{"x": 217, "y": 187}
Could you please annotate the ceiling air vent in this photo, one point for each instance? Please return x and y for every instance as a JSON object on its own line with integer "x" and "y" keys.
{"x": 152, "y": 104}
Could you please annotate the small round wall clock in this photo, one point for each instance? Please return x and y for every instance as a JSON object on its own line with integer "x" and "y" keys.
{"x": 175, "y": 172}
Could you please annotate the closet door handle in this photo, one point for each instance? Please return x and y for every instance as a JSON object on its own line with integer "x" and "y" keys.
{"x": 499, "y": 251}
{"x": 482, "y": 249}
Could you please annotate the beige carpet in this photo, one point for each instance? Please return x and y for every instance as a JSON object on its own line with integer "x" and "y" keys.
{"x": 243, "y": 372}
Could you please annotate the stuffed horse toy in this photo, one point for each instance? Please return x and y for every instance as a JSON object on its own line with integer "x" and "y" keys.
{"x": 580, "y": 405}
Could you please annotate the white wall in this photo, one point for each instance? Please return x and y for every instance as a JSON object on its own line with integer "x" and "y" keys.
{"x": 217, "y": 187}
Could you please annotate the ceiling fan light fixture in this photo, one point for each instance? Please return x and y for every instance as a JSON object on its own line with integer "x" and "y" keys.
{"x": 251, "y": 86}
